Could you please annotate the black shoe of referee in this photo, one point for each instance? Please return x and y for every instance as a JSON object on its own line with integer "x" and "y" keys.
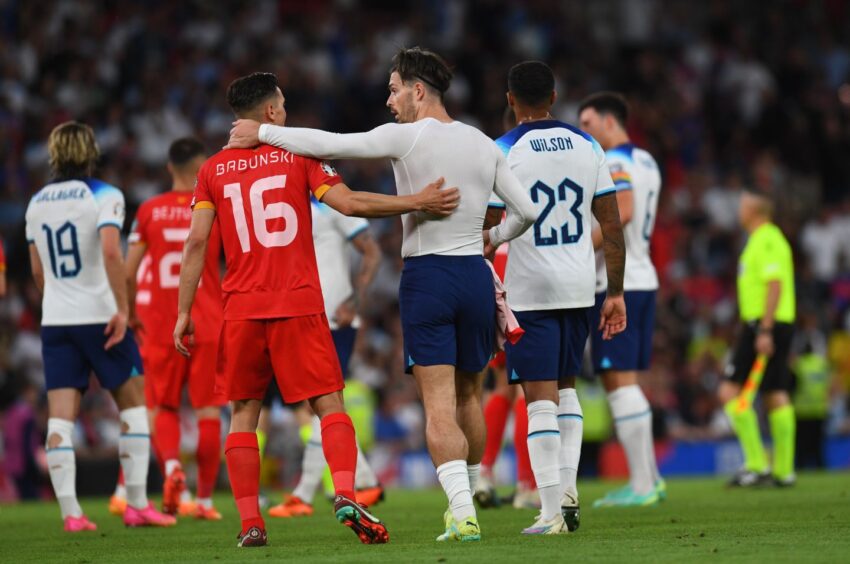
{"x": 744, "y": 478}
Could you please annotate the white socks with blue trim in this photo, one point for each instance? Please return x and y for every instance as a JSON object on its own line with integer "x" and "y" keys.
{"x": 544, "y": 445}
{"x": 454, "y": 477}
{"x": 312, "y": 464}
{"x": 62, "y": 465}
{"x": 571, "y": 426}
{"x": 134, "y": 449}
{"x": 633, "y": 421}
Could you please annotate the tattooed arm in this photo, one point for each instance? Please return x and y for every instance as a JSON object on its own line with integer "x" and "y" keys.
{"x": 613, "y": 317}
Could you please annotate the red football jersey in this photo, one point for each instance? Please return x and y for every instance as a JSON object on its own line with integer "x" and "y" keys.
{"x": 262, "y": 202}
{"x": 162, "y": 224}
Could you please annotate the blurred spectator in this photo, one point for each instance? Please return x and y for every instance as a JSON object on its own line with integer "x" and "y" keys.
{"x": 811, "y": 396}
{"x": 24, "y": 459}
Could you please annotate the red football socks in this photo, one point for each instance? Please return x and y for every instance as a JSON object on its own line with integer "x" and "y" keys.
{"x": 120, "y": 476}
{"x": 524, "y": 474}
{"x": 495, "y": 417}
{"x": 167, "y": 434}
{"x": 340, "y": 448}
{"x": 243, "y": 466}
{"x": 208, "y": 455}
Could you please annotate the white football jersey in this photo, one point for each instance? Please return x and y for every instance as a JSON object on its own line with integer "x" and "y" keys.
{"x": 63, "y": 222}
{"x": 634, "y": 169}
{"x": 551, "y": 266}
{"x": 422, "y": 152}
{"x": 332, "y": 234}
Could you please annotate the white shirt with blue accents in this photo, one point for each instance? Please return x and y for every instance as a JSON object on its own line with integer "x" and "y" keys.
{"x": 634, "y": 169}
{"x": 63, "y": 221}
{"x": 422, "y": 152}
{"x": 562, "y": 168}
{"x": 332, "y": 235}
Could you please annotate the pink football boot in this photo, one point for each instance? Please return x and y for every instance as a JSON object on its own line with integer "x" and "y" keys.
{"x": 147, "y": 517}
{"x": 77, "y": 524}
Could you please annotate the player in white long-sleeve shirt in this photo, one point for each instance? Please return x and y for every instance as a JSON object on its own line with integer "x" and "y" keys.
{"x": 446, "y": 295}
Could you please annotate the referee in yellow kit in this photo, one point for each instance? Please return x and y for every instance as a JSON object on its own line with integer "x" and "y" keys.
{"x": 767, "y": 307}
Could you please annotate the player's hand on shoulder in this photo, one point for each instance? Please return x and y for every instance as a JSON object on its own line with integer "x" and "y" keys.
{"x": 612, "y": 319}
{"x": 184, "y": 328}
{"x": 115, "y": 330}
{"x": 439, "y": 201}
{"x": 244, "y": 135}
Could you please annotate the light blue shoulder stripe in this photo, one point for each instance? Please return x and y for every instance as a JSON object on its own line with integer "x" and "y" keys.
{"x": 605, "y": 191}
{"x": 623, "y": 151}
{"x": 101, "y": 189}
{"x": 356, "y": 232}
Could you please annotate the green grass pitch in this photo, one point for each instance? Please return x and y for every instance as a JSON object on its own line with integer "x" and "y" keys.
{"x": 700, "y": 522}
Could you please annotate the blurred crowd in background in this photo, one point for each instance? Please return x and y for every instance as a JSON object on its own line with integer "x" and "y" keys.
{"x": 724, "y": 94}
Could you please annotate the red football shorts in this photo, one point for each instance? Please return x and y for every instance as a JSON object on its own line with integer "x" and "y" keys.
{"x": 297, "y": 351}
{"x": 167, "y": 372}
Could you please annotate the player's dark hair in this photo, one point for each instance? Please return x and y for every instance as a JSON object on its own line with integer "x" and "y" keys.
{"x": 531, "y": 83}
{"x": 247, "y": 92}
{"x": 612, "y": 103}
{"x": 184, "y": 150}
{"x": 416, "y": 63}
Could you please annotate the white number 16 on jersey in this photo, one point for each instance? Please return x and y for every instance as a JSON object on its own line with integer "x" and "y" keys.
{"x": 262, "y": 214}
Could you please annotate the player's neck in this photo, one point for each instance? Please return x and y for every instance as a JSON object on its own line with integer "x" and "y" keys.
{"x": 179, "y": 186}
{"x": 436, "y": 111}
{"x": 528, "y": 115}
{"x": 618, "y": 138}
{"x": 756, "y": 223}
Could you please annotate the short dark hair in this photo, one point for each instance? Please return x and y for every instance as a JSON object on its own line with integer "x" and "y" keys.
{"x": 184, "y": 150}
{"x": 606, "y": 102}
{"x": 246, "y": 92}
{"x": 531, "y": 82}
{"x": 427, "y": 66}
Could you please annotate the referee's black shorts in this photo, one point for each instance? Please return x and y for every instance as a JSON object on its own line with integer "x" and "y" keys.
{"x": 777, "y": 374}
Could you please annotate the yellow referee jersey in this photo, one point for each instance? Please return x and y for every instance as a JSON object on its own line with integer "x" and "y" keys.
{"x": 766, "y": 257}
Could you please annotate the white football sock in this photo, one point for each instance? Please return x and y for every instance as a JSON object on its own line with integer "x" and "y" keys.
{"x": 571, "y": 425}
{"x": 171, "y": 465}
{"x": 312, "y": 464}
{"x": 120, "y": 491}
{"x": 633, "y": 421}
{"x": 134, "y": 449}
{"x": 454, "y": 477}
{"x": 474, "y": 471}
{"x": 204, "y": 502}
{"x": 186, "y": 496}
{"x": 364, "y": 477}
{"x": 62, "y": 466}
{"x": 544, "y": 445}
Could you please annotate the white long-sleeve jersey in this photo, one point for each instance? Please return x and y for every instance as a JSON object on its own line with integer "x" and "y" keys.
{"x": 422, "y": 152}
